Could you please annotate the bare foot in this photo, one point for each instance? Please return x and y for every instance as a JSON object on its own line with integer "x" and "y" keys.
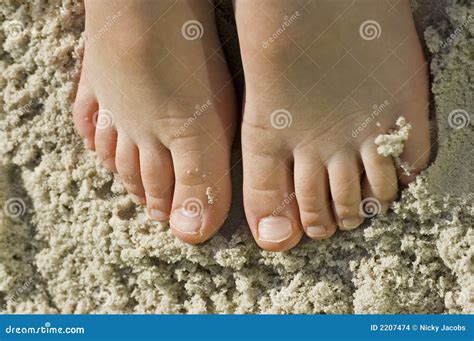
{"x": 156, "y": 103}
{"x": 322, "y": 82}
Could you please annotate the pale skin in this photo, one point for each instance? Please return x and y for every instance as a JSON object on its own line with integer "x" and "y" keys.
{"x": 175, "y": 113}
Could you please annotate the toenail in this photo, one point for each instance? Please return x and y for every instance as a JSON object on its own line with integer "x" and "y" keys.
{"x": 351, "y": 223}
{"x": 316, "y": 231}
{"x": 274, "y": 229}
{"x": 157, "y": 215}
{"x": 136, "y": 199}
{"x": 186, "y": 221}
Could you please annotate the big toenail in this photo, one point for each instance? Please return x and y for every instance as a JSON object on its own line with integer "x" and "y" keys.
{"x": 274, "y": 229}
{"x": 186, "y": 221}
{"x": 351, "y": 223}
{"x": 316, "y": 231}
{"x": 157, "y": 215}
{"x": 136, "y": 199}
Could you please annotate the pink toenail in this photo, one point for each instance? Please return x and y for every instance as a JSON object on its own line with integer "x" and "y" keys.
{"x": 274, "y": 229}
{"x": 185, "y": 221}
{"x": 316, "y": 231}
{"x": 351, "y": 223}
{"x": 157, "y": 215}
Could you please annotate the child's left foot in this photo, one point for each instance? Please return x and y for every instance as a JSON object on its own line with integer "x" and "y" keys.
{"x": 322, "y": 82}
{"x": 156, "y": 103}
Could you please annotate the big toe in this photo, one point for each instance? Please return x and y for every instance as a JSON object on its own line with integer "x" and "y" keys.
{"x": 202, "y": 190}
{"x": 270, "y": 202}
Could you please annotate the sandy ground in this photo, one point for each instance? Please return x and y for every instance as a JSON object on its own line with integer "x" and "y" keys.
{"x": 72, "y": 242}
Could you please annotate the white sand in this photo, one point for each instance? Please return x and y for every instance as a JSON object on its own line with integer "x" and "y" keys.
{"x": 81, "y": 246}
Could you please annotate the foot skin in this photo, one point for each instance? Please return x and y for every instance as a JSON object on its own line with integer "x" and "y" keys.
{"x": 314, "y": 75}
{"x": 155, "y": 101}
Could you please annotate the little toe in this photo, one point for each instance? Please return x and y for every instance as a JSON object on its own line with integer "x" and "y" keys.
{"x": 128, "y": 167}
{"x": 344, "y": 179}
{"x": 158, "y": 179}
{"x": 312, "y": 193}
{"x": 270, "y": 202}
{"x": 85, "y": 106}
{"x": 202, "y": 190}
{"x": 416, "y": 151}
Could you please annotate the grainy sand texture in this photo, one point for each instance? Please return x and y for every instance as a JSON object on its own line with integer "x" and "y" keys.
{"x": 71, "y": 241}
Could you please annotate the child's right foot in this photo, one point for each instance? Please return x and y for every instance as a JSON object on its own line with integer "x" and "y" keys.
{"x": 314, "y": 70}
{"x": 155, "y": 73}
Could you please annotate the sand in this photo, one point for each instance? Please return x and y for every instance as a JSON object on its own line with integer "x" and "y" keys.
{"x": 76, "y": 243}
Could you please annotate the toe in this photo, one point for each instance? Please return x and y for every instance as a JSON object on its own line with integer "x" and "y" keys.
{"x": 312, "y": 194}
{"x": 105, "y": 146}
{"x": 270, "y": 202}
{"x": 416, "y": 151}
{"x": 380, "y": 183}
{"x": 158, "y": 179}
{"x": 85, "y": 105}
{"x": 344, "y": 179}
{"x": 202, "y": 190}
{"x": 128, "y": 167}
